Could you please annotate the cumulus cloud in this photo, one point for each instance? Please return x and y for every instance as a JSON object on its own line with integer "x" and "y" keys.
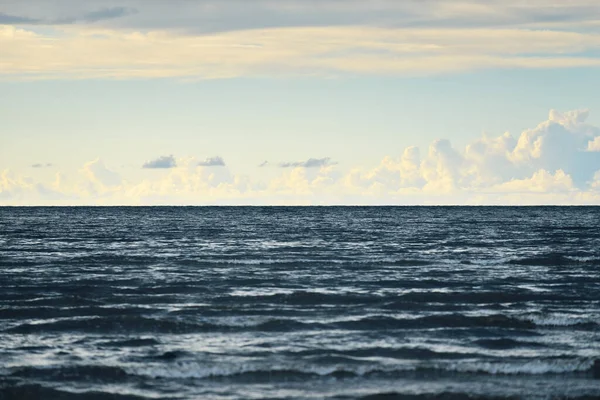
{"x": 190, "y": 183}
{"x": 554, "y": 157}
{"x": 310, "y": 163}
{"x": 97, "y": 173}
{"x": 559, "y": 143}
{"x": 12, "y": 187}
{"x": 163, "y": 162}
{"x": 542, "y": 181}
{"x": 212, "y": 162}
{"x": 594, "y": 145}
{"x": 554, "y": 162}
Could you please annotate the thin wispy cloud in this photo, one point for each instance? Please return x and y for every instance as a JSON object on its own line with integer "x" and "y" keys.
{"x": 163, "y": 162}
{"x": 204, "y": 16}
{"x": 290, "y": 51}
{"x": 8, "y": 19}
{"x": 108, "y": 13}
{"x": 310, "y": 163}
{"x": 67, "y": 18}
{"x": 293, "y": 37}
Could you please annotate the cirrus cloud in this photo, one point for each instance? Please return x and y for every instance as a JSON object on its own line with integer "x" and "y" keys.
{"x": 220, "y": 16}
{"x": 290, "y": 51}
{"x": 208, "y": 39}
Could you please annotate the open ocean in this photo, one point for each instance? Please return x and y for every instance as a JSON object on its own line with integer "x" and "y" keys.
{"x": 300, "y": 302}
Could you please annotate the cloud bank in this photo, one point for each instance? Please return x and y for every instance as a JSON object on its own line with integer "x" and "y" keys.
{"x": 555, "y": 162}
{"x": 222, "y": 39}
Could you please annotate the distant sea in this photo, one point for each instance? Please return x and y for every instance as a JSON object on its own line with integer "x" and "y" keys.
{"x": 300, "y": 303}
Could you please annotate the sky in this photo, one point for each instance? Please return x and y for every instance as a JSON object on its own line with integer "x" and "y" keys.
{"x": 299, "y": 102}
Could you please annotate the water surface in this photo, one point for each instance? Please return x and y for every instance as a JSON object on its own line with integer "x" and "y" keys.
{"x": 298, "y": 303}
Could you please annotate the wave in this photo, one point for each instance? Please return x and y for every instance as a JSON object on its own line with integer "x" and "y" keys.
{"x": 171, "y": 368}
{"x": 238, "y": 372}
{"x": 51, "y": 301}
{"x": 461, "y": 396}
{"x": 248, "y": 372}
{"x": 300, "y": 298}
{"x": 533, "y": 367}
{"x": 138, "y": 342}
{"x": 304, "y": 298}
{"x": 66, "y": 373}
{"x": 506, "y": 343}
{"x": 136, "y": 324}
{"x": 414, "y": 353}
{"x": 35, "y": 391}
{"x": 325, "y": 260}
{"x": 490, "y": 297}
{"x": 128, "y": 324}
{"x": 140, "y": 324}
{"x": 555, "y": 259}
{"x": 56, "y": 312}
{"x": 169, "y": 355}
{"x": 437, "y": 321}
{"x": 560, "y": 320}
{"x": 435, "y": 396}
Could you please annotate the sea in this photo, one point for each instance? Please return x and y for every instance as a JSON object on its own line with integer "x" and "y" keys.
{"x": 300, "y": 303}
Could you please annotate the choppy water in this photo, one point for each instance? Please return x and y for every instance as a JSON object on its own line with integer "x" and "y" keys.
{"x": 240, "y": 303}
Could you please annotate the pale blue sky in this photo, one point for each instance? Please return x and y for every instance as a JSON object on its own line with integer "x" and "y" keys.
{"x": 249, "y": 120}
{"x": 127, "y": 82}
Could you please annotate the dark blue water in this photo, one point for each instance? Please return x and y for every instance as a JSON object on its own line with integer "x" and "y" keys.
{"x": 240, "y": 303}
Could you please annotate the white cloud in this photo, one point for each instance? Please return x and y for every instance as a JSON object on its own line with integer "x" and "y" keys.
{"x": 95, "y": 182}
{"x": 488, "y": 159}
{"x": 493, "y": 164}
{"x": 12, "y": 186}
{"x": 559, "y": 143}
{"x": 99, "y": 174}
{"x": 390, "y": 173}
{"x": 551, "y": 163}
{"x": 542, "y": 181}
{"x": 85, "y": 52}
{"x": 595, "y": 183}
{"x": 23, "y": 190}
{"x": 594, "y": 145}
